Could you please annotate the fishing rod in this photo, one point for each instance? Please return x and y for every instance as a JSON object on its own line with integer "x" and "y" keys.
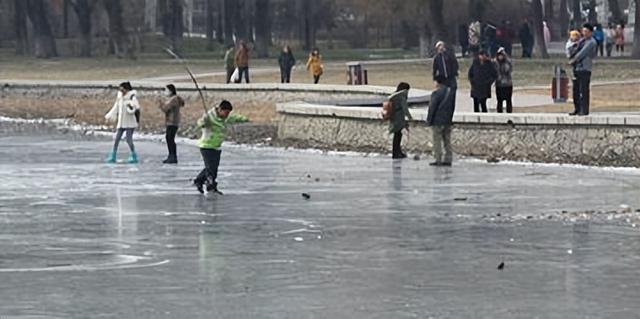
{"x": 193, "y": 78}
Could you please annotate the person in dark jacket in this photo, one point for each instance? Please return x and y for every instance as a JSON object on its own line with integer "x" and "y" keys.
{"x": 504, "y": 82}
{"x": 482, "y": 74}
{"x": 526, "y": 39}
{"x": 440, "y": 118}
{"x": 171, "y": 109}
{"x": 399, "y": 115}
{"x": 286, "y": 62}
{"x": 463, "y": 39}
{"x": 446, "y": 68}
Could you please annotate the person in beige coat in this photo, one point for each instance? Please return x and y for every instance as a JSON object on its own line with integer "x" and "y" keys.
{"x": 171, "y": 109}
{"x": 125, "y": 112}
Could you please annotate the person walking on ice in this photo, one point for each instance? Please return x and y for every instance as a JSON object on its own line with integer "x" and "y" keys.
{"x": 214, "y": 130}
{"x": 126, "y": 111}
{"x": 171, "y": 109}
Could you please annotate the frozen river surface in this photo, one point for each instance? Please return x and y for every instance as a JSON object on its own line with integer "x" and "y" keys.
{"x": 377, "y": 239}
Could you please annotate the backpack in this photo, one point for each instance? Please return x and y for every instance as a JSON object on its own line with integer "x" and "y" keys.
{"x": 387, "y": 110}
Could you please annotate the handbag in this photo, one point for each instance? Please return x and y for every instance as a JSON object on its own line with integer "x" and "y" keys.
{"x": 235, "y": 76}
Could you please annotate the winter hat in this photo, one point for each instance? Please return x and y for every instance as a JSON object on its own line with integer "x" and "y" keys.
{"x": 502, "y": 51}
{"x": 439, "y": 44}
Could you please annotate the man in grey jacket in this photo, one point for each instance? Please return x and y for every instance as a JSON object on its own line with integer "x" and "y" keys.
{"x": 440, "y": 118}
{"x": 583, "y": 64}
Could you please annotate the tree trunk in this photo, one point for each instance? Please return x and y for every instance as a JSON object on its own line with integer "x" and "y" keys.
{"x": 538, "y": 30}
{"x": 210, "y": 6}
{"x": 577, "y": 14}
{"x": 177, "y": 25}
{"x": 83, "y": 11}
{"x": 263, "y": 27}
{"x": 614, "y": 6}
{"x": 230, "y": 8}
{"x": 22, "y": 35}
{"x": 45, "y": 44}
{"x": 438, "y": 24}
{"x": 593, "y": 15}
{"x": 117, "y": 33}
{"x": 635, "y": 53}
{"x": 477, "y": 9}
{"x": 563, "y": 21}
{"x": 548, "y": 10}
{"x": 240, "y": 21}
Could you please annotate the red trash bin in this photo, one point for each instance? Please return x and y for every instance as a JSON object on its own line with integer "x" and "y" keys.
{"x": 560, "y": 85}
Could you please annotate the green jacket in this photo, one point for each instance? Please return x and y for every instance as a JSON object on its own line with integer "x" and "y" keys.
{"x": 400, "y": 112}
{"x": 214, "y": 129}
{"x": 229, "y": 60}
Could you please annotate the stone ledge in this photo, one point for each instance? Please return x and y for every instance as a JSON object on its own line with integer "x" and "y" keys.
{"x": 302, "y": 108}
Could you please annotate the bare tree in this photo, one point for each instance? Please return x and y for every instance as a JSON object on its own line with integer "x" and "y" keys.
{"x": 438, "y": 24}
{"x": 541, "y": 46}
{"x": 563, "y": 19}
{"x": 22, "y": 36}
{"x": 45, "y": 44}
{"x": 230, "y": 9}
{"x": 576, "y": 8}
{"x": 210, "y": 7}
{"x": 614, "y": 6}
{"x": 593, "y": 15}
{"x": 176, "y": 10}
{"x": 118, "y": 35}
{"x": 263, "y": 27}
{"x": 635, "y": 53}
{"x": 83, "y": 9}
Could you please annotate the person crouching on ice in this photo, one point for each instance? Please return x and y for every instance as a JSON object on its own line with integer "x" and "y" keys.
{"x": 214, "y": 129}
{"x": 124, "y": 112}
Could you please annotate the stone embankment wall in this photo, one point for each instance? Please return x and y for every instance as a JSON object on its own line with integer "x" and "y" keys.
{"x": 603, "y": 140}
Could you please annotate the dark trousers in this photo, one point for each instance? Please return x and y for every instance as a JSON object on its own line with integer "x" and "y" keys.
{"x": 397, "y": 145}
{"x": 442, "y": 139}
{"x": 229, "y": 74}
{"x": 504, "y": 94}
{"x": 583, "y": 93}
{"x": 479, "y": 104}
{"x": 285, "y": 75}
{"x": 170, "y": 135}
{"x": 316, "y": 79}
{"x": 209, "y": 174}
{"x": 600, "y": 48}
{"x": 244, "y": 71}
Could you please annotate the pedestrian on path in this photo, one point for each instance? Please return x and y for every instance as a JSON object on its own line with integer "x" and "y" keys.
{"x": 504, "y": 82}
{"x": 599, "y": 36}
{"x": 286, "y": 62}
{"x": 583, "y": 65}
{"x": 620, "y": 40}
{"x": 463, "y": 39}
{"x": 314, "y": 65}
{"x": 399, "y": 115}
{"x": 482, "y": 74}
{"x": 125, "y": 111}
{"x": 610, "y": 39}
{"x": 526, "y": 39}
{"x": 440, "y": 119}
{"x": 214, "y": 130}
{"x": 229, "y": 62}
{"x": 242, "y": 62}
{"x": 475, "y": 36}
{"x": 446, "y": 68}
{"x": 546, "y": 34}
{"x": 171, "y": 108}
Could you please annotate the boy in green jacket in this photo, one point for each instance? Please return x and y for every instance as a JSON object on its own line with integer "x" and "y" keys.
{"x": 214, "y": 130}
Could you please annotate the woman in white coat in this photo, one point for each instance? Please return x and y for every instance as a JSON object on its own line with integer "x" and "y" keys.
{"x": 126, "y": 112}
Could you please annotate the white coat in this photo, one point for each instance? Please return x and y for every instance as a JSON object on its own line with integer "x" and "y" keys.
{"x": 124, "y": 110}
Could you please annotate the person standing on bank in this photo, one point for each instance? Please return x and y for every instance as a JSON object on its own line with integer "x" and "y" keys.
{"x": 126, "y": 112}
{"x": 583, "y": 65}
{"x": 446, "y": 68}
{"x": 242, "y": 62}
{"x": 504, "y": 83}
{"x": 399, "y": 115}
{"x": 440, "y": 119}
{"x": 171, "y": 109}
{"x": 229, "y": 62}
{"x": 314, "y": 65}
{"x": 482, "y": 74}
{"x": 286, "y": 62}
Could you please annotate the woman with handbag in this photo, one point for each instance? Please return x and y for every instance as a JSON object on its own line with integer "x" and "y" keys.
{"x": 314, "y": 65}
{"x": 125, "y": 112}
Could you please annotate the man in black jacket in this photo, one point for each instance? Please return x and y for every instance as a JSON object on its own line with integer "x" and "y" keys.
{"x": 446, "y": 68}
{"x": 440, "y": 118}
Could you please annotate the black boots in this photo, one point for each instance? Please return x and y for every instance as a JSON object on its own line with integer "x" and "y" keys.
{"x": 172, "y": 159}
